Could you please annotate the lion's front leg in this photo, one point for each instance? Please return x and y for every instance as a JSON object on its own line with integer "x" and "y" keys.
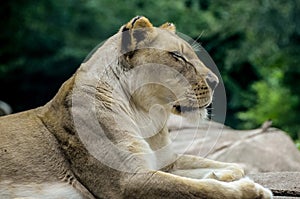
{"x": 201, "y": 168}
{"x": 158, "y": 184}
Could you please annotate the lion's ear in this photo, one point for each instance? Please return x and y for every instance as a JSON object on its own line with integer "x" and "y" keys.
{"x": 169, "y": 26}
{"x": 138, "y": 22}
{"x": 137, "y": 31}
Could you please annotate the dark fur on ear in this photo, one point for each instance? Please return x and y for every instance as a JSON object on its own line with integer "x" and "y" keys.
{"x": 169, "y": 26}
{"x": 126, "y": 40}
{"x": 134, "y": 32}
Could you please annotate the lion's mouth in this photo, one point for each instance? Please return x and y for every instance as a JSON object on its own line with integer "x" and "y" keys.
{"x": 184, "y": 106}
{"x": 183, "y": 109}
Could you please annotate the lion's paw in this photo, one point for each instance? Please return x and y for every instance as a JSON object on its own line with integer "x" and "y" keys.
{"x": 250, "y": 189}
{"x": 264, "y": 192}
{"x": 228, "y": 174}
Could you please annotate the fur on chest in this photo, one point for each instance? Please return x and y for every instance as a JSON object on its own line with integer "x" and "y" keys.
{"x": 54, "y": 190}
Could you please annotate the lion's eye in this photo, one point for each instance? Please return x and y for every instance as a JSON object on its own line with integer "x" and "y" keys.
{"x": 178, "y": 56}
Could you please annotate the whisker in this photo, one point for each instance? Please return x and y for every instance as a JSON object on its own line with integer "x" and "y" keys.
{"x": 196, "y": 47}
{"x": 178, "y": 100}
{"x": 196, "y": 40}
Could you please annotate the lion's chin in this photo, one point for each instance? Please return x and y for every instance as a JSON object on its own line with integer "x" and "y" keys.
{"x": 183, "y": 109}
{"x": 191, "y": 113}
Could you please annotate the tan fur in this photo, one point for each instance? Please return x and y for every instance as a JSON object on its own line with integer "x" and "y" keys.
{"x": 57, "y": 143}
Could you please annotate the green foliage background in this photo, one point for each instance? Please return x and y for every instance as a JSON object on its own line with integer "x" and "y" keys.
{"x": 255, "y": 45}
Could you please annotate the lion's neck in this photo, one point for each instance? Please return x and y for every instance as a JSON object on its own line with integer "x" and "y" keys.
{"x": 58, "y": 118}
{"x": 56, "y": 114}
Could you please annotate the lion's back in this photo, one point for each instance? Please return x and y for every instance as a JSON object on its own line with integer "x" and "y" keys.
{"x": 26, "y": 147}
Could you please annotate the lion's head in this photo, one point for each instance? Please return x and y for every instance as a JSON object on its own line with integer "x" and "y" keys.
{"x": 144, "y": 45}
{"x": 132, "y": 83}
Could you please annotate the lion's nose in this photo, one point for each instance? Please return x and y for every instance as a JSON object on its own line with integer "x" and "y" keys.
{"x": 212, "y": 80}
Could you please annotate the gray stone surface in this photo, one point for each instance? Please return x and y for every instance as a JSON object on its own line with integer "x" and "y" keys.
{"x": 282, "y": 184}
{"x": 267, "y": 150}
{"x": 258, "y": 150}
{"x": 5, "y": 108}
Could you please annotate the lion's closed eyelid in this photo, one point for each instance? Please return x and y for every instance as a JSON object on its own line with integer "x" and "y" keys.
{"x": 177, "y": 55}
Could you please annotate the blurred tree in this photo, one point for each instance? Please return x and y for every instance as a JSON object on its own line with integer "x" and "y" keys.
{"x": 273, "y": 49}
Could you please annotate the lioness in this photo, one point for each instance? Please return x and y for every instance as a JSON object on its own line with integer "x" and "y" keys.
{"x": 104, "y": 134}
